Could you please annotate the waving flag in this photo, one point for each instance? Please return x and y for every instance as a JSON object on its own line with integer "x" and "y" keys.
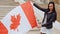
{"x": 19, "y": 21}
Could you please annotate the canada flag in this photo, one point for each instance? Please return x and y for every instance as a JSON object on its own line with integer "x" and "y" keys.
{"x": 19, "y": 21}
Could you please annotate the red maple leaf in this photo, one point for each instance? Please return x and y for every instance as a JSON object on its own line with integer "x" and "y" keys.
{"x": 15, "y": 21}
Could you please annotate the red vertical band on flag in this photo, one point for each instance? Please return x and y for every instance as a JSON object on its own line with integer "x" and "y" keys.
{"x": 29, "y": 12}
{"x": 3, "y": 29}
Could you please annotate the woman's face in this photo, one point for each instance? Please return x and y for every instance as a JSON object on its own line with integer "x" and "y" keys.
{"x": 51, "y": 7}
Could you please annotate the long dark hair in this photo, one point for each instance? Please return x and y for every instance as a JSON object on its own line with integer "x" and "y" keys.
{"x": 53, "y": 6}
{"x": 54, "y": 11}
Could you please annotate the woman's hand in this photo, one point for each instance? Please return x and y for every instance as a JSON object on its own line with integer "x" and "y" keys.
{"x": 39, "y": 26}
{"x": 33, "y": 1}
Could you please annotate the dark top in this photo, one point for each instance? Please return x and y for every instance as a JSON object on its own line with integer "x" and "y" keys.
{"x": 51, "y": 17}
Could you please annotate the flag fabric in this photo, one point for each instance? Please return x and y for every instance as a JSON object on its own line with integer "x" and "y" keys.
{"x": 19, "y": 21}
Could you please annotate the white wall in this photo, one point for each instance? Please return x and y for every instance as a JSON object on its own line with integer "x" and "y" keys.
{"x": 22, "y": 1}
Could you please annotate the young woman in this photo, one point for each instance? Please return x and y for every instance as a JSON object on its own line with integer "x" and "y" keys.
{"x": 50, "y": 16}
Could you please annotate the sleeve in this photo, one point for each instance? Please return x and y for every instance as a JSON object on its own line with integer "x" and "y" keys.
{"x": 39, "y": 7}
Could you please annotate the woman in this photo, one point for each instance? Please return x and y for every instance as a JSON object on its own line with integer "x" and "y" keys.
{"x": 50, "y": 16}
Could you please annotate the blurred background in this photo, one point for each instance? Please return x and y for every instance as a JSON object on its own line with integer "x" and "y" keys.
{"x": 7, "y": 5}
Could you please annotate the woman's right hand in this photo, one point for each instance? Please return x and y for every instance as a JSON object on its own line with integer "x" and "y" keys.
{"x": 39, "y": 26}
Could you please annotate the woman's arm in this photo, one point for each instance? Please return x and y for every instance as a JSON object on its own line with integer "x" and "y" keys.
{"x": 39, "y": 7}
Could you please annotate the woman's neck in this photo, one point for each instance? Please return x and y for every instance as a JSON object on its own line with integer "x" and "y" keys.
{"x": 50, "y": 12}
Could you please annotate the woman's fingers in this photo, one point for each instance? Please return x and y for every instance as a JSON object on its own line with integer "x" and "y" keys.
{"x": 39, "y": 26}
